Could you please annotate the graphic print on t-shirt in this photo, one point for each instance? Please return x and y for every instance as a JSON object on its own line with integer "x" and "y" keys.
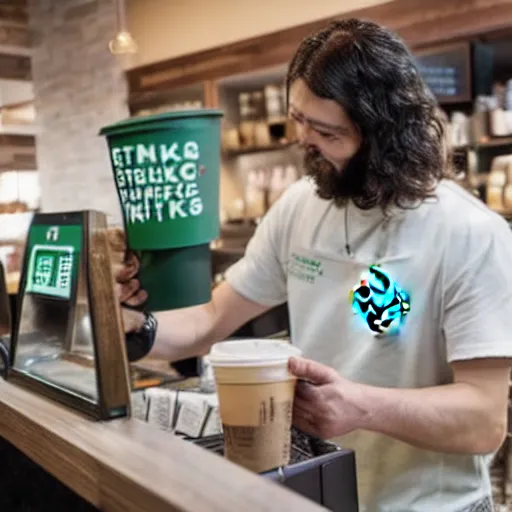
{"x": 380, "y": 302}
{"x": 304, "y": 268}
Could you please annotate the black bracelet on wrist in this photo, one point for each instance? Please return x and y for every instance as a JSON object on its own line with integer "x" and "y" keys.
{"x": 140, "y": 343}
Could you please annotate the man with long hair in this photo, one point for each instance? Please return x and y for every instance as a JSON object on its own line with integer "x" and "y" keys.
{"x": 398, "y": 282}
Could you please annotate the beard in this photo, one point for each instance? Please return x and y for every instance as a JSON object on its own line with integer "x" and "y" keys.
{"x": 338, "y": 185}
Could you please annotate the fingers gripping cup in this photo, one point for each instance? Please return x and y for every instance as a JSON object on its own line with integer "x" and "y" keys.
{"x": 166, "y": 170}
{"x": 255, "y": 393}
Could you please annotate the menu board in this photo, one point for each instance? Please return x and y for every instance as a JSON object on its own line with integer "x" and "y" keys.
{"x": 54, "y": 253}
{"x": 447, "y": 72}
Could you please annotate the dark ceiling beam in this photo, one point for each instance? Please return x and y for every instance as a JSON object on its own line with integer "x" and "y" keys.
{"x": 15, "y": 67}
{"x": 13, "y": 11}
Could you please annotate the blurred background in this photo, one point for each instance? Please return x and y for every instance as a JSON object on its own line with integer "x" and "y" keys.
{"x": 70, "y": 67}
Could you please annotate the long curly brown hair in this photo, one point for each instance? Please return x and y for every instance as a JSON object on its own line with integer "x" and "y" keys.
{"x": 368, "y": 70}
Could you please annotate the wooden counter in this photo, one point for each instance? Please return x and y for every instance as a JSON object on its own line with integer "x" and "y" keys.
{"x": 130, "y": 466}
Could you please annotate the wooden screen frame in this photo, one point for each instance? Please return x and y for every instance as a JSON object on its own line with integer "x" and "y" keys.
{"x": 111, "y": 362}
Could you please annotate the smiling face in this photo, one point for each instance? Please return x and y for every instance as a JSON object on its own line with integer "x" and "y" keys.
{"x": 368, "y": 122}
{"x": 323, "y": 125}
{"x": 331, "y": 141}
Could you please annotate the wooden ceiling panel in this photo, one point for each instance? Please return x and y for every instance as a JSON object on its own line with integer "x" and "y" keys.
{"x": 490, "y": 19}
{"x": 419, "y": 22}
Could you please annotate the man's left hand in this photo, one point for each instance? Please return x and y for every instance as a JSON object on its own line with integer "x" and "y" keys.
{"x": 125, "y": 266}
{"x": 325, "y": 403}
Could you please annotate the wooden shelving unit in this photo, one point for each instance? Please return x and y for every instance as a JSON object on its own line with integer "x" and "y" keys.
{"x": 257, "y": 149}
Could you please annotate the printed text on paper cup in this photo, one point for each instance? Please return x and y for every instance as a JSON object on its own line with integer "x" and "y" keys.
{"x": 158, "y": 181}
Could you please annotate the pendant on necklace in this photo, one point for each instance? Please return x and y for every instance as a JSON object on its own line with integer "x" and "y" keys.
{"x": 380, "y": 302}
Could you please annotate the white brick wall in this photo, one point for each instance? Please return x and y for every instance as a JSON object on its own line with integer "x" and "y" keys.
{"x": 79, "y": 88}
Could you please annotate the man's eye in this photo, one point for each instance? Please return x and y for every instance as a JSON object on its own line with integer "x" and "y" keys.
{"x": 328, "y": 136}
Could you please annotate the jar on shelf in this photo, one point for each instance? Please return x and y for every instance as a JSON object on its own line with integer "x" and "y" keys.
{"x": 230, "y": 139}
{"x": 496, "y": 183}
{"x": 258, "y": 105}
{"x": 244, "y": 107}
{"x": 507, "y": 197}
{"x": 261, "y": 134}
{"x": 494, "y": 197}
{"x": 247, "y": 133}
{"x": 274, "y": 104}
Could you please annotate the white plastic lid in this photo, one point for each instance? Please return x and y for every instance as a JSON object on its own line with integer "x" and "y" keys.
{"x": 252, "y": 352}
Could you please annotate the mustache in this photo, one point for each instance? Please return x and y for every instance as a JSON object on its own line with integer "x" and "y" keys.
{"x": 314, "y": 161}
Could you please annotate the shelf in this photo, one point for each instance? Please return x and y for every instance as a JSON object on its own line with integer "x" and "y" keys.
{"x": 256, "y": 149}
{"x": 493, "y": 142}
{"x": 164, "y": 99}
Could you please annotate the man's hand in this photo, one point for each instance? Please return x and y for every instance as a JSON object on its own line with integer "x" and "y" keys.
{"x": 132, "y": 320}
{"x": 125, "y": 266}
{"x": 321, "y": 408}
{"x": 467, "y": 416}
{"x": 128, "y": 288}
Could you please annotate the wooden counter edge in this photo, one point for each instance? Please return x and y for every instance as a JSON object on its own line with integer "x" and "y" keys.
{"x": 130, "y": 466}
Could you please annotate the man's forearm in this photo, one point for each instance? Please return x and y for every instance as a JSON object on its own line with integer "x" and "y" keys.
{"x": 455, "y": 418}
{"x": 190, "y": 332}
{"x": 183, "y": 333}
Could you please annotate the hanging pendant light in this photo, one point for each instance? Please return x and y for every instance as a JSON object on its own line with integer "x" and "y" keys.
{"x": 123, "y": 42}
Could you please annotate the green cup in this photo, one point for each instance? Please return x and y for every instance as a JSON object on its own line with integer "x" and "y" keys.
{"x": 167, "y": 171}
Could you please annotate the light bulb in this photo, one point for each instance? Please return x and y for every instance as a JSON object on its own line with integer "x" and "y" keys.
{"x": 123, "y": 43}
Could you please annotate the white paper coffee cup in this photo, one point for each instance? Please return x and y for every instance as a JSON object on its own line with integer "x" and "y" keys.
{"x": 256, "y": 393}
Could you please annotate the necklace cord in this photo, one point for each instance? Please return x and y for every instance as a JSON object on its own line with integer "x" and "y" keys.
{"x": 347, "y": 245}
{"x": 382, "y": 243}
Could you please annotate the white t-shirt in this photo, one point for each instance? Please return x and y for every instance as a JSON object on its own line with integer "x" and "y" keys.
{"x": 452, "y": 256}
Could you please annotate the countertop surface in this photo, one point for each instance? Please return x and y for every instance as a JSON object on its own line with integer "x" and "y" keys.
{"x": 127, "y": 465}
